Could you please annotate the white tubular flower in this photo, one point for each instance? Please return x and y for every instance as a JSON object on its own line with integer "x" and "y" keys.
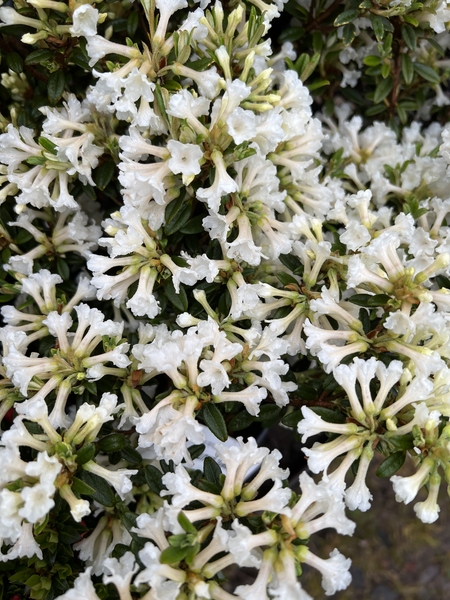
{"x": 164, "y": 580}
{"x": 243, "y": 248}
{"x": 223, "y": 184}
{"x": 407, "y": 488}
{"x": 152, "y": 527}
{"x": 185, "y": 159}
{"x": 180, "y": 487}
{"x": 428, "y": 511}
{"x": 358, "y": 496}
{"x": 120, "y": 479}
{"x": 38, "y": 501}
{"x": 335, "y": 570}
{"x": 276, "y": 500}
{"x": 85, "y": 19}
{"x": 242, "y": 125}
{"x": 258, "y": 589}
{"x": 84, "y": 588}
{"x": 120, "y": 573}
{"x": 243, "y": 543}
{"x": 237, "y": 461}
{"x": 166, "y": 10}
{"x": 320, "y": 456}
{"x": 25, "y": 546}
{"x": 313, "y": 424}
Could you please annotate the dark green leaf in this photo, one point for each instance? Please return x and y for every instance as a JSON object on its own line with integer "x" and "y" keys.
{"x": 180, "y": 300}
{"x": 286, "y": 279}
{"x": 194, "y": 225}
{"x": 215, "y": 421}
{"x": 407, "y": 68}
{"x": 292, "y": 419}
{"x": 268, "y": 412}
{"x": 132, "y": 23}
{"x": 426, "y": 72}
{"x": 14, "y": 62}
{"x": 55, "y": 86}
{"x": 291, "y": 34}
{"x": 348, "y": 34}
{"x": 346, "y": 17}
{"x": 382, "y": 90}
{"x": 178, "y": 216}
{"x": 367, "y": 300}
{"x": 62, "y": 268}
{"x": 85, "y": 454}
{"x": 211, "y": 470}
{"x": 103, "y": 494}
{"x": 291, "y": 262}
{"x": 439, "y": 49}
{"x": 409, "y": 35}
{"x": 196, "y": 450}
{"x": 391, "y": 465}
{"x": 131, "y": 455}
{"x": 104, "y": 173}
{"x": 38, "y": 56}
{"x": 153, "y": 478}
{"x": 328, "y": 415}
{"x": 80, "y": 487}
{"x": 240, "y": 421}
{"x": 402, "y": 442}
{"x": 111, "y": 443}
{"x": 378, "y": 26}
{"x": 47, "y": 145}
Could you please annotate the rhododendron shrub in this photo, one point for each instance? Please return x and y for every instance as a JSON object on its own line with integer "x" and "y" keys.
{"x": 217, "y": 219}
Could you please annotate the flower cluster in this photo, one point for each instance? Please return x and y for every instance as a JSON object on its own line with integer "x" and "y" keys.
{"x": 202, "y": 234}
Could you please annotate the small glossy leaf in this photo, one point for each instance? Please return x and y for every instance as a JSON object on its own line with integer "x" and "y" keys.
{"x": 185, "y": 523}
{"x": 346, "y": 17}
{"x": 172, "y": 555}
{"x": 426, "y": 72}
{"x": 382, "y": 90}
{"x": 407, "y": 68}
{"x": 409, "y": 35}
{"x": 214, "y": 421}
{"x": 211, "y": 470}
{"x": 391, "y": 465}
{"x": 85, "y": 454}
{"x": 328, "y": 415}
{"x": 153, "y": 478}
{"x": 55, "y": 86}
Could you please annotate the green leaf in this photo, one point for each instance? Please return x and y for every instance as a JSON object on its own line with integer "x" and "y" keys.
{"x": 55, "y": 86}
{"x": 211, "y": 470}
{"x": 240, "y": 421}
{"x": 346, "y": 17}
{"x": 439, "y": 49}
{"x": 177, "y": 215}
{"x": 385, "y": 70}
{"x": 153, "y": 478}
{"x": 14, "y": 62}
{"x": 348, "y": 34}
{"x": 62, "y": 268}
{"x": 402, "y": 442}
{"x": 47, "y": 145}
{"x": 317, "y": 84}
{"x": 426, "y": 72}
{"x": 172, "y": 555}
{"x": 196, "y": 450}
{"x": 291, "y": 262}
{"x": 215, "y": 421}
{"x": 409, "y": 36}
{"x": 292, "y": 419}
{"x": 268, "y": 412}
{"x": 80, "y": 487}
{"x": 391, "y": 465}
{"x": 194, "y": 225}
{"x": 382, "y": 90}
{"x": 407, "y": 68}
{"x": 112, "y": 443}
{"x": 378, "y": 26}
{"x": 180, "y": 300}
{"x": 38, "y": 56}
{"x": 369, "y": 301}
{"x": 103, "y": 494}
{"x": 132, "y": 23}
{"x": 328, "y": 415}
{"x": 85, "y": 454}
{"x": 104, "y": 173}
{"x": 286, "y": 279}
{"x": 372, "y": 61}
{"x": 185, "y": 523}
{"x": 131, "y": 455}
{"x": 291, "y": 34}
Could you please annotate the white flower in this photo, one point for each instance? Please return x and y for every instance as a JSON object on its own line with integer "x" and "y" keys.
{"x": 223, "y": 184}
{"x": 313, "y": 424}
{"x": 242, "y": 125}
{"x": 85, "y": 19}
{"x": 38, "y": 501}
{"x": 428, "y": 511}
{"x": 185, "y": 159}
{"x": 335, "y": 570}
{"x": 84, "y": 588}
{"x": 407, "y": 488}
